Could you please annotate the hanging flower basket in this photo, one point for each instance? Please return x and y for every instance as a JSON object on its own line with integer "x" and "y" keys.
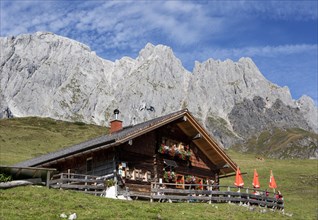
{"x": 182, "y": 153}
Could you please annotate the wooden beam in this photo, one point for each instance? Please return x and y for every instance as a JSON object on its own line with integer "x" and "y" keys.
{"x": 212, "y": 142}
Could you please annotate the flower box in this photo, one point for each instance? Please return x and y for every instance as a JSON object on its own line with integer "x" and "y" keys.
{"x": 180, "y": 152}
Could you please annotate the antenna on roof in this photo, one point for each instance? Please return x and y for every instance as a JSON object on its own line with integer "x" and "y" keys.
{"x": 116, "y": 112}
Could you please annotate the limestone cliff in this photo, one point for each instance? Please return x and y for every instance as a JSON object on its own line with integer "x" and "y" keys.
{"x": 43, "y": 74}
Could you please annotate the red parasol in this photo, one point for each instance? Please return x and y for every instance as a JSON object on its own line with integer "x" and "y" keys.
{"x": 255, "y": 180}
{"x": 272, "y": 182}
{"x": 238, "y": 178}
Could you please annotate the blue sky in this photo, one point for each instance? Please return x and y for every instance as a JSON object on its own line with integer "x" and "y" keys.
{"x": 280, "y": 36}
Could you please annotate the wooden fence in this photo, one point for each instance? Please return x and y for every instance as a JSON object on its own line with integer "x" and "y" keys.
{"x": 171, "y": 192}
{"x": 205, "y": 193}
{"x": 89, "y": 184}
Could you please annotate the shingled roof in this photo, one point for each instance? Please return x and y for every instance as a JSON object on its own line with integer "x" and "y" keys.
{"x": 102, "y": 141}
{"x": 128, "y": 133}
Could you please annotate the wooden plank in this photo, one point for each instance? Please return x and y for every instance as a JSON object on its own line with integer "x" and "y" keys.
{"x": 191, "y": 191}
{"x": 175, "y": 197}
{"x": 74, "y": 181}
{"x": 181, "y": 191}
{"x": 97, "y": 193}
{"x": 199, "y": 198}
{"x": 82, "y": 176}
{"x": 187, "y": 128}
{"x": 63, "y": 180}
{"x": 215, "y": 199}
{"x": 138, "y": 188}
{"x": 81, "y": 187}
{"x": 52, "y": 182}
{"x": 179, "y": 194}
{"x": 141, "y": 195}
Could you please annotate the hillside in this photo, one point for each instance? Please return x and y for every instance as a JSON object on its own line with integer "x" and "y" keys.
{"x": 24, "y": 138}
{"x": 282, "y": 143}
{"x": 43, "y": 203}
{"x": 46, "y": 75}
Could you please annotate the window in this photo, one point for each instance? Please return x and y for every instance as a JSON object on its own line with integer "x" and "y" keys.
{"x": 89, "y": 165}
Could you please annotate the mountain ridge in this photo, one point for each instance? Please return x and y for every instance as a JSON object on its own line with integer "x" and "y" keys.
{"x": 43, "y": 74}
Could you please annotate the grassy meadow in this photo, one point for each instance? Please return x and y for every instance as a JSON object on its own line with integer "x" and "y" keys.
{"x": 297, "y": 180}
{"x": 25, "y": 138}
{"x": 42, "y": 203}
{"x": 281, "y": 144}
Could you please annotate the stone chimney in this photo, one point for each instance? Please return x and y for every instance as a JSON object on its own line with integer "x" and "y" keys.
{"x": 116, "y": 124}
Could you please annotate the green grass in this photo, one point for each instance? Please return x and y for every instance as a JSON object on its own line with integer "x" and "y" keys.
{"x": 282, "y": 143}
{"x": 24, "y": 138}
{"x": 297, "y": 179}
{"x": 42, "y": 203}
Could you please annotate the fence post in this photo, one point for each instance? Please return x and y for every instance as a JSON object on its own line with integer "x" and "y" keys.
{"x": 85, "y": 183}
{"x": 229, "y": 196}
{"x": 61, "y": 180}
{"x": 127, "y": 192}
{"x": 96, "y": 185}
{"x": 151, "y": 193}
{"x": 210, "y": 196}
{"x": 48, "y": 177}
{"x": 248, "y": 197}
{"x": 68, "y": 175}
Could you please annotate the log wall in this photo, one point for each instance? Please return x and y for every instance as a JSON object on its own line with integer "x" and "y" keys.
{"x": 140, "y": 154}
{"x": 102, "y": 163}
{"x": 198, "y": 164}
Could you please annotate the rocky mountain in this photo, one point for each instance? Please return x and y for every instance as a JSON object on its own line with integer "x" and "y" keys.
{"x": 43, "y": 74}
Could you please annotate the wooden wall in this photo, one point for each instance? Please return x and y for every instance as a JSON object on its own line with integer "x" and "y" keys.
{"x": 139, "y": 155}
{"x": 198, "y": 164}
{"x": 142, "y": 153}
{"x": 102, "y": 163}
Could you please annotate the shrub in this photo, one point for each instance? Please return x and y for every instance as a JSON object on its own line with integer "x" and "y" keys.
{"x": 79, "y": 123}
{"x": 110, "y": 183}
{"x": 5, "y": 178}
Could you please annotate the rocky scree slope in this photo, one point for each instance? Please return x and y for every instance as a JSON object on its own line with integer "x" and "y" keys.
{"x": 43, "y": 74}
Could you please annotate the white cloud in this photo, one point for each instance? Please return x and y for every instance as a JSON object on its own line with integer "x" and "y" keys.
{"x": 129, "y": 25}
{"x": 287, "y": 10}
{"x": 275, "y": 9}
{"x": 262, "y": 51}
{"x": 179, "y": 22}
{"x": 127, "y": 22}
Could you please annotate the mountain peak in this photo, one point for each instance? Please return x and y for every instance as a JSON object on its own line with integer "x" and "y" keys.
{"x": 152, "y": 51}
{"x": 246, "y": 60}
{"x": 43, "y": 74}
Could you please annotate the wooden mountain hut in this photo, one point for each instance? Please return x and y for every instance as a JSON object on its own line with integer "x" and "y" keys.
{"x": 173, "y": 148}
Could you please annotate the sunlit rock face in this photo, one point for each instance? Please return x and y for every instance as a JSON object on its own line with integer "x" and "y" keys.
{"x": 43, "y": 74}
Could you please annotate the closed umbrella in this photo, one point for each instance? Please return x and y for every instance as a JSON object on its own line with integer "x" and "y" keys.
{"x": 238, "y": 178}
{"x": 255, "y": 180}
{"x": 272, "y": 182}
